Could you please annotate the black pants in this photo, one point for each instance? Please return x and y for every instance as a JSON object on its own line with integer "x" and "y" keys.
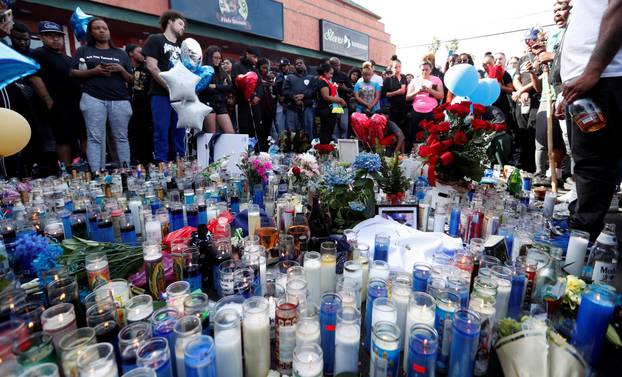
{"x": 596, "y": 157}
{"x": 267, "y": 118}
{"x": 246, "y": 118}
{"x": 141, "y": 147}
{"x": 413, "y": 128}
{"x": 327, "y": 125}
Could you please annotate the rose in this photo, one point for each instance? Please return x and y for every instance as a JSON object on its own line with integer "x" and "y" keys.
{"x": 436, "y": 147}
{"x": 500, "y": 127}
{"x": 296, "y": 170}
{"x": 439, "y": 117}
{"x": 424, "y": 151}
{"x": 479, "y": 110}
{"x": 460, "y": 138}
{"x": 447, "y": 158}
{"x": 479, "y": 124}
{"x": 459, "y": 109}
{"x": 431, "y": 139}
{"x": 419, "y": 136}
{"x": 443, "y": 127}
{"x": 447, "y": 144}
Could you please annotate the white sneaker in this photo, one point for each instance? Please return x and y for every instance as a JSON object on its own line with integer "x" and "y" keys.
{"x": 570, "y": 196}
{"x": 615, "y": 203}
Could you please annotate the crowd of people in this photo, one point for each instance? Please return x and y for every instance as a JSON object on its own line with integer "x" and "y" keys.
{"x": 71, "y": 102}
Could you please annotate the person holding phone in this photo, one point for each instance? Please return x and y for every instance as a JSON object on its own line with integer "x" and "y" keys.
{"x": 105, "y": 93}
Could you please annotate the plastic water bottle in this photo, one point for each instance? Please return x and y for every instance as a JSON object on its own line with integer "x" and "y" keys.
{"x": 603, "y": 259}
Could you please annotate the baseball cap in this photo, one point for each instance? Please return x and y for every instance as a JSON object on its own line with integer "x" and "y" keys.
{"x": 284, "y": 61}
{"x": 532, "y": 34}
{"x": 50, "y": 27}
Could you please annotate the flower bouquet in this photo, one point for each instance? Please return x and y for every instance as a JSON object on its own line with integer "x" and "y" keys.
{"x": 304, "y": 171}
{"x": 391, "y": 179}
{"x": 255, "y": 168}
{"x": 455, "y": 142}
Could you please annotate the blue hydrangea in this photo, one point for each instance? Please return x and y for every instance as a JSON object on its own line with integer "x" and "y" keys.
{"x": 370, "y": 162}
{"x": 29, "y": 248}
{"x": 356, "y": 206}
{"x": 338, "y": 176}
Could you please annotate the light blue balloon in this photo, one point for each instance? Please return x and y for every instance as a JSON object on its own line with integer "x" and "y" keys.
{"x": 79, "y": 21}
{"x": 14, "y": 65}
{"x": 461, "y": 79}
{"x": 494, "y": 90}
{"x": 206, "y": 73}
{"x": 481, "y": 94}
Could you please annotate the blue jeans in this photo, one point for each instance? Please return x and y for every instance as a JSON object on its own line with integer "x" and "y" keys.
{"x": 297, "y": 121}
{"x": 341, "y": 129}
{"x": 96, "y": 112}
{"x": 279, "y": 121}
{"x": 165, "y": 122}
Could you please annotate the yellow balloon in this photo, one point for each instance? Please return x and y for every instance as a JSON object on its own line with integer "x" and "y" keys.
{"x": 14, "y": 132}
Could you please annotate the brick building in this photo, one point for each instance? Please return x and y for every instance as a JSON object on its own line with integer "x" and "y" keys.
{"x": 288, "y": 28}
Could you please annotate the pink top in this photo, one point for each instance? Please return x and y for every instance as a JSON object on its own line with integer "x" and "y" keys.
{"x": 424, "y": 102}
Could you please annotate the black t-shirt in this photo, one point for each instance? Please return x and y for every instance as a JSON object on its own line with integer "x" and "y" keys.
{"x": 54, "y": 72}
{"x": 341, "y": 78}
{"x": 503, "y": 101}
{"x": 141, "y": 83}
{"x": 392, "y": 84}
{"x": 167, "y": 53}
{"x": 321, "y": 103}
{"x": 113, "y": 88}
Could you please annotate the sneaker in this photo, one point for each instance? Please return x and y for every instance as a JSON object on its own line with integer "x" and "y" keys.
{"x": 570, "y": 196}
{"x": 615, "y": 203}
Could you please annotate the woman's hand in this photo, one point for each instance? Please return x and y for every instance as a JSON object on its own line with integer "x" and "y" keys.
{"x": 101, "y": 70}
{"x": 114, "y": 67}
{"x": 212, "y": 86}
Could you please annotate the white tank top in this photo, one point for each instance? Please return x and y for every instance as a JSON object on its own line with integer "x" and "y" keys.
{"x": 580, "y": 40}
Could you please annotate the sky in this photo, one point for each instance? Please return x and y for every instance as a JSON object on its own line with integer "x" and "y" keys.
{"x": 416, "y": 22}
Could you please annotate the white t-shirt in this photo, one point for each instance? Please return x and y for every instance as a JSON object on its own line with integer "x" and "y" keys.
{"x": 580, "y": 40}
{"x": 374, "y": 78}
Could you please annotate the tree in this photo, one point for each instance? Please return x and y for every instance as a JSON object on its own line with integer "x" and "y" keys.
{"x": 435, "y": 45}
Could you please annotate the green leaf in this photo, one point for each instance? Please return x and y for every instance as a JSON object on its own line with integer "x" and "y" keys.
{"x": 613, "y": 337}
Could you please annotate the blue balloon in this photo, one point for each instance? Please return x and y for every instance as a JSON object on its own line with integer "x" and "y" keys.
{"x": 79, "y": 21}
{"x": 206, "y": 73}
{"x": 14, "y": 65}
{"x": 461, "y": 79}
{"x": 481, "y": 94}
{"x": 494, "y": 90}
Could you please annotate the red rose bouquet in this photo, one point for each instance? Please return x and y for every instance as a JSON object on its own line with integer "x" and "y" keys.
{"x": 454, "y": 143}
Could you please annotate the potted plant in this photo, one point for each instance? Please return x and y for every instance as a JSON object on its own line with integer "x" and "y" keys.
{"x": 391, "y": 179}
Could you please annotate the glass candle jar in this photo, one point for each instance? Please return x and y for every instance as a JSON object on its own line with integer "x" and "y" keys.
{"x": 59, "y": 320}
{"x": 385, "y": 350}
{"x": 97, "y": 271}
{"x": 176, "y": 293}
{"x": 64, "y": 290}
{"x": 97, "y": 360}
{"x": 421, "y": 308}
{"x": 308, "y": 326}
{"x": 347, "y": 340}
{"x": 312, "y": 269}
{"x": 186, "y": 329}
{"x": 162, "y": 325}
{"x": 155, "y": 354}
{"x": 35, "y": 349}
{"x": 329, "y": 307}
{"x": 349, "y": 291}
{"x": 422, "y": 343}
{"x": 98, "y": 297}
{"x": 228, "y": 340}
{"x": 298, "y": 288}
{"x": 30, "y": 313}
{"x": 256, "y": 333}
{"x": 140, "y": 372}
{"x": 503, "y": 277}
{"x": 227, "y": 277}
{"x": 447, "y": 303}
{"x": 71, "y": 346}
{"x": 352, "y": 269}
{"x": 41, "y": 370}
{"x": 130, "y": 339}
{"x": 197, "y": 304}
{"x": 401, "y": 286}
{"x": 464, "y": 343}
{"x": 377, "y": 288}
{"x": 154, "y": 269}
{"x": 285, "y": 332}
{"x": 308, "y": 361}
{"x": 11, "y": 331}
{"x": 382, "y": 242}
{"x": 379, "y": 269}
{"x": 139, "y": 308}
{"x": 486, "y": 311}
{"x": 421, "y": 276}
{"x": 200, "y": 357}
{"x": 328, "y": 267}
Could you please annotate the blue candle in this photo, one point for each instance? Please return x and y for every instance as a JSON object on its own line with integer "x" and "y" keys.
{"x": 375, "y": 289}
{"x": 93, "y": 229}
{"x": 200, "y": 357}
{"x": 423, "y": 344}
{"x": 446, "y": 305}
{"x": 421, "y": 277}
{"x": 155, "y": 205}
{"x": 128, "y": 235}
{"x": 66, "y": 218}
{"x": 155, "y": 354}
{"x": 128, "y": 359}
{"x": 515, "y": 303}
{"x": 177, "y": 218}
{"x": 461, "y": 288}
{"x": 595, "y": 313}
{"x": 202, "y": 214}
{"x": 330, "y": 305}
{"x": 381, "y": 247}
{"x": 106, "y": 233}
{"x": 464, "y": 343}
{"x": 192, "y": 214}
{"x": 162, "y": 324}
{"x": 454, "y": 222}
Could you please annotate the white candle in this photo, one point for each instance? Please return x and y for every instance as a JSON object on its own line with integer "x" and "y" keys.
{"x": 314, "y": 279}
{"x": 348, "y": 299}
{"x": 153, "y": 233}
{"x": 180, "y": 348}
{"x": 256, "y": 333}
{"x": 575, "y": 256}
{"x": 328, "y": 273}
{"x": 416, "y": 315}
{"x": 365, "y": 269}
{"x": 504, "y": 287}
{"x": 383, "y": 312}
{"x": 307, "y": 332}
{"x": 134, "y": 206}
{"x": 254, "y": 222}
{"x": 105, "y": 369}
{"x": 59, "y": 325}
{"x": 308, "y": 364}
{"x": 347, "y": 339}
{"x": 229, "y": 353}
{"x": 439, "y": 222}
{"x": 400, "y": 300}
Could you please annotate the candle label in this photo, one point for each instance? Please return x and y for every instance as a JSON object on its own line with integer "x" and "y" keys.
{"x": 443, "y": 323}
{"x": 156, "y": 279}
{"x": 178, "y": 267}
{"x": 285, "y": 342}
{"x": 485, "y": 339}
{"x": 98, "y": 277}
{"x": 384, "y": 363}
{"x": 603, "y": 272}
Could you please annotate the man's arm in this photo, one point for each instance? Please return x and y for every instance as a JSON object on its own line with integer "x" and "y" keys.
{"x": 152, "y": 67}
{"x": 607, "y": 46}
{"x": 42, "y": 91}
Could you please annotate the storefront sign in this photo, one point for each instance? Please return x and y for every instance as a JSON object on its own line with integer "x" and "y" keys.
{"x": 260, "y": 17}
{"x": 340, "y": 40}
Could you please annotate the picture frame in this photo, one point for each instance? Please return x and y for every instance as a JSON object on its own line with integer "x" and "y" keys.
{"x": 348, "y": 150}
{"x": 405, "y": 214}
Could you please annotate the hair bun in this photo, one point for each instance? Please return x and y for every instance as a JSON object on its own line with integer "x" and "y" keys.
{"x": 393, "y": 57}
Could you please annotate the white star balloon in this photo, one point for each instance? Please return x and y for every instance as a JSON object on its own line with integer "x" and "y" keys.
{"x": 191, "y": 114}
{"x": 181, "y": 83}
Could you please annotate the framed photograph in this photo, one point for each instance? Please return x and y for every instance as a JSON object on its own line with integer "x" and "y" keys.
{"x": 403, "y": 214}
{"x": 348, "y": 150}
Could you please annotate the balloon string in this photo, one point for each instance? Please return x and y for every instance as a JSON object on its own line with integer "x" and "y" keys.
{"x": 250, "y": 108}
{"x": 3, "y": 166}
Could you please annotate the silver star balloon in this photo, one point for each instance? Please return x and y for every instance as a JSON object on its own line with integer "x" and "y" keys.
{"x": 181, "y": 83}
{"x": 191, "y": 114}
